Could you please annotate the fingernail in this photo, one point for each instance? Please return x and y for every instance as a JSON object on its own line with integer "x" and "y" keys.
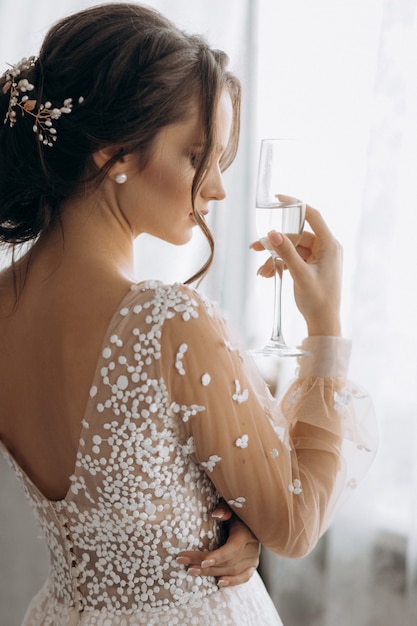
{"x": 183, "y": 560}
{"x": 223, "y": 583}
{"x": 208, "y": 563}
{"x": 194, "y": 571}
{"x": 275, "y": 238}
{"x": 217, "y": 514}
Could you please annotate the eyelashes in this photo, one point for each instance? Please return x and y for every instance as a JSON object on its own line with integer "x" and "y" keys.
{"x": 195, "y": 159}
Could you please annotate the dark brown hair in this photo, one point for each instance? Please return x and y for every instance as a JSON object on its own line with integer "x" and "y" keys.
{"x": 137, "y": 73}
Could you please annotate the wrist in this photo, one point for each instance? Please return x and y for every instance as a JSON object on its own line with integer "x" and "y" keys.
{"x": 325, "y": 332}
{"x": 325, "y": 328}
{"x": 326, "y": 357}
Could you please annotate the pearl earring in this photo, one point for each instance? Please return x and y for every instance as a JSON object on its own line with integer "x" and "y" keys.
{"x": 121, "y": 178}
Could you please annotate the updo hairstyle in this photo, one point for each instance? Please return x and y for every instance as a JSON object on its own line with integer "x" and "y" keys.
{"x": 135, "y": 73}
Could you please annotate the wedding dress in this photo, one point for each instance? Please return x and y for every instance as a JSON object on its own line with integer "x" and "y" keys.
{"x": 177, "y": 416}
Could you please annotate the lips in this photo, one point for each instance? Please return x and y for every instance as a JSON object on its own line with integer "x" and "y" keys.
{"x": 201, "y": 213}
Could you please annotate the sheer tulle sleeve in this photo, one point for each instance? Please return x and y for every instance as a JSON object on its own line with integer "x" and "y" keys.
{"x": 282, "y": 465}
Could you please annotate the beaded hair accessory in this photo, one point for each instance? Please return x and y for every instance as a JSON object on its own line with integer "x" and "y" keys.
{"x": 43, "y": 114}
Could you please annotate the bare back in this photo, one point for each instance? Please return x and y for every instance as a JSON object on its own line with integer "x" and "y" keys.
{"x": 48, "y": 353}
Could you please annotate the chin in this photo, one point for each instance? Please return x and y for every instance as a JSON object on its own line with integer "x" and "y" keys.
{"x": 180, "y": 239}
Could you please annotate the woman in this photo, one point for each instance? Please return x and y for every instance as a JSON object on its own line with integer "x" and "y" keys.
{"x": 126, "y": 409}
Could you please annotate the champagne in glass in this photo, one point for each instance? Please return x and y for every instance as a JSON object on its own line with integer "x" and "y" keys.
{"x": 284, "y": 214}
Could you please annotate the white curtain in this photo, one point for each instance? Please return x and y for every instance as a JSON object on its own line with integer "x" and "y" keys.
{"x": 342, "y": 76}
{"x": 349, "y": 83}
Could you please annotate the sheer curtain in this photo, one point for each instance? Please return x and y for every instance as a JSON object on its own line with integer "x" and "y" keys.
{"x": 349, "y": 83}
{"x": 342, "y": 77}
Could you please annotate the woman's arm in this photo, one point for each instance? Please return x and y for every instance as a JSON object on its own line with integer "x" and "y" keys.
{"x": 280, "y": 465}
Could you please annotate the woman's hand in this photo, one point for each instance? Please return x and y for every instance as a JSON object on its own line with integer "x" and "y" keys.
{"x": 235, "y": 561}
{"x": 315, "y": 265}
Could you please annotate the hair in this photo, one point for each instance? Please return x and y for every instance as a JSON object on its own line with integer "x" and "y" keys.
{"x": 137, "y": 73}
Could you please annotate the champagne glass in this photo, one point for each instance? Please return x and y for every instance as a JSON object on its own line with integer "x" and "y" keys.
{"x": 283, "y": 213}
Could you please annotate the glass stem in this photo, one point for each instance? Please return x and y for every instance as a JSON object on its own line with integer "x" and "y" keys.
{"x": 276, "y": 324}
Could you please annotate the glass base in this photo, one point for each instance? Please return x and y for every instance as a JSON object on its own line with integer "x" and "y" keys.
{"x": 277, "y": 349}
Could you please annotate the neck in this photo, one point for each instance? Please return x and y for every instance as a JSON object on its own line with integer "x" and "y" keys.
{"x": 91, "y": 239}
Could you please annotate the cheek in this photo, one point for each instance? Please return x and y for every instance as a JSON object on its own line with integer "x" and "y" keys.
{"x": 181, "y": 183}
{"x": 169, "y": 186}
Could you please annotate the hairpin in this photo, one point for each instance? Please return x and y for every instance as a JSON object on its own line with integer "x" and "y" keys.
{"x": 44, "y": 114}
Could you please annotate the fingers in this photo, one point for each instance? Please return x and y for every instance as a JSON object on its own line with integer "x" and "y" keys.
{"x": 256, "y": 245}
{"x": 287, "y": 252}
{"x": 228, "y": 572}
{"x": 317, "y": 223}
{"x": 309, "y": 247}
{"x": 315, "y": 264}
{"x": 222, "y": 512}
{"x": 306, "y": 240}
{"x": 211, "y": 566}
{"x": 233, "y": 563}
{"x": 240, "y": 546}
{"x": 268, "y": 269}
{"x": 229, "y": 580}
{"x": 195, "y": 559}
{"x": 318, "y": 226}
{"x": 239, "y": 579}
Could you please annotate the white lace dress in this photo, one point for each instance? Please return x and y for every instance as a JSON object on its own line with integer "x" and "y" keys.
{"x": 175, "y": 418}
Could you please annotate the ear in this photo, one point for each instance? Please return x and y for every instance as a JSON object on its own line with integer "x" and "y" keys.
{"x": 101, "y": 157}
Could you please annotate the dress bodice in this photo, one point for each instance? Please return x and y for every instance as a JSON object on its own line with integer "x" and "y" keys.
{"x": 175, "y": 417}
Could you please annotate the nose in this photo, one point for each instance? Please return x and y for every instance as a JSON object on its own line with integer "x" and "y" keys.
{"x": 212, "y": 187}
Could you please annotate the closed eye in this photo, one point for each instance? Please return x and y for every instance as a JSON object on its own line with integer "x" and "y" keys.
{"x": 195, "y": 158}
